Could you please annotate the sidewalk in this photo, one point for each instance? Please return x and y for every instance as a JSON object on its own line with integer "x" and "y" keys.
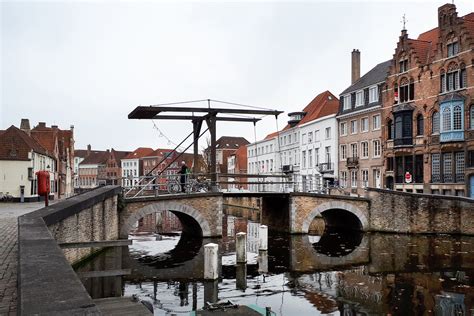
{"x": 8, "y": 252}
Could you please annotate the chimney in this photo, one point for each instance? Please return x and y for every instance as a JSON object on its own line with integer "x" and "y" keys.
{"x": 54, "y": 126}
{"x": 355, "y": 65}
{"x": 25, "y": 126}
{"x": 88, "y": 149}
{"x": 41, "y": 124}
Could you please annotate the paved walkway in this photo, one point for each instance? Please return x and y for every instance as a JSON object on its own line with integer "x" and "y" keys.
{"x": 8, "y": 252}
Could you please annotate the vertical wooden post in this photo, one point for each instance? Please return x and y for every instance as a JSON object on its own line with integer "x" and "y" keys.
{"x": 211, "y": 123}
{"x": 196, "y": 131}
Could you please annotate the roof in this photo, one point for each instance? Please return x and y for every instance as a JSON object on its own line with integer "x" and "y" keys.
{"x": 95, "y": 158}
{"x": 16, "y": 144}
{"x": 322, "y": 105}
{"x": 271, "y": 135}
{"x": 373, "y": 76}
{"x": 160, "y": 152}
{"x": 46, "y": 136}
{"x": 81, "y": 153}
{"x": 231, "y": 142}
{"x": 119, "y": 155}
{"x": 139, "y": 153}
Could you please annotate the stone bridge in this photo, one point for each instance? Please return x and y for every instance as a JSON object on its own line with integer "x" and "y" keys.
{"x": 381, "y": 210}
{"x": 201, "y": 213}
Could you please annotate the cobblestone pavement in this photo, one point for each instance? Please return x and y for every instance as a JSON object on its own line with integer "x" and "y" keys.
{"x": 8, "y": 252}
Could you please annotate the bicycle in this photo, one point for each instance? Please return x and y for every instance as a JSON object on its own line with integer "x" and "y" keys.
{"x": 6, "y": 197}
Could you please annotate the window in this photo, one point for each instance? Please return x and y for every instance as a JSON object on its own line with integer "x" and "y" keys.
{"x": 376, "y": 122}
{"x": 310, "y": 137}
{"x": 419, "y": 125}
{"x": 328, "y": 132}
{"x": 343, "y": 128}
{"x": 454, "y": 79}
{"x": 354, "y": 127}
{"x": 365, "y": 178}
{"x": 403, "y": 128}
{"x": 343, "y": 152}
{"x": 471, "y": 116}
{"x": 310, "y": 158}
{"x": 343, "y": 182}
{"x": 354, "y": 178}
{"x": 463, "y": 77}
{"x": 359, "y": 98}
{"x": 303, "y": 139}
{"x": 354, "y": 150}
{"x": 377, "y": 148}
{"x": 289, "y": 139}
{"x": 403, "y": 65}
{"x": 406, "y": 90}
{"x": 316, "y": 156}
{"x": 448, "y": 167}
{"x": 328, "y": 154}
{"x": 435, "y": 123}
{"x": 364, "y": 148}
{"x": 303, "y": 157}
{"x": 373, "y": 94}
{"x": 460, "y": 166}
{"x": 346, "y": 102}
{"x": 452, "y": 122}
{"x": 453, "y": 49}
{"x": 316, "y": 135}
{"x": 364, "y": 124}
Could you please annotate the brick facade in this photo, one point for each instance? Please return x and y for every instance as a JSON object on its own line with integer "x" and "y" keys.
{"x": 430, "y": 78}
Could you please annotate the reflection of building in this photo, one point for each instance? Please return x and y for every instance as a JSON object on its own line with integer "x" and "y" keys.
{"x": 428, "y": 112}
{"x": 162, "y": 222}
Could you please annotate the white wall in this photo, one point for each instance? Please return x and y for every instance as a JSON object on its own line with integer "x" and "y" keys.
{"x": 263, "y": 157}
{"x": 130, "y": 167}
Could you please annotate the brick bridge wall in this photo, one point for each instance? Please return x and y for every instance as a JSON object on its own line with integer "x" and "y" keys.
{"x": 401, "y": 212}
{"x": 204, "y": 209}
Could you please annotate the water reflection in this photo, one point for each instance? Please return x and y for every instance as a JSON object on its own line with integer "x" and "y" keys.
{"x": 299, "y": 275}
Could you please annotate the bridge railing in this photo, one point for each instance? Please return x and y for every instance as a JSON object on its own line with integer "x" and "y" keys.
{"x": 147, "y": 186}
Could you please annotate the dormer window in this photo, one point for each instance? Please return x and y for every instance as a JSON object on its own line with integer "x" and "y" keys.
{"x": 453, "y": 49}
{"x": 346, "y": 102}
{"x": 403, "y": 65}
{"x": 359, "y": 98}
{"x": 373, "y": 94}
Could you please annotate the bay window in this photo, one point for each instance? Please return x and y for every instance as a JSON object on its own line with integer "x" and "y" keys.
{"x": 452, "y": 121}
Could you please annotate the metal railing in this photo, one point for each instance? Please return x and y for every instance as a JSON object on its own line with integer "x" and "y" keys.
{"x": 148, "y": 186}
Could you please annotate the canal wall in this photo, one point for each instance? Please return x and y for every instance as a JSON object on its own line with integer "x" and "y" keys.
{"x": 401, "y": 212}
{"x": 47, "y": 284}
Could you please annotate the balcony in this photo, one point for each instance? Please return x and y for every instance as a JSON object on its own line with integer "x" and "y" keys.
{"x": 406, "y": 141}
{"x": 454, "y": 136}
{"x": 326, "y": 167}
{"x": 352, "y": 162}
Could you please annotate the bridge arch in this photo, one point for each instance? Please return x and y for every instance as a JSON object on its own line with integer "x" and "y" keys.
{"x": 191, "y": 219}
{"x": 336, "y": 205}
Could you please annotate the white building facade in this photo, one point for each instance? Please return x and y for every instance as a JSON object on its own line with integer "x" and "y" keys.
{"x": 319, "y": 154}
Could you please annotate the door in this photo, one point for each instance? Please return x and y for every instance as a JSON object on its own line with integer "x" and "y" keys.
{"x": 471, "y": 182}
{"x": 377, "y": 178}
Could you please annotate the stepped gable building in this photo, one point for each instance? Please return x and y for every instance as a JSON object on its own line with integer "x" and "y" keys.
{"x": 360, "y": 132}
{"x": 110, "y": 173}
{"x": 428, "y": 112}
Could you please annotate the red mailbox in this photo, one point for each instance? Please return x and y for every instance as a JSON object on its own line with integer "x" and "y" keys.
{"x": 43, "y": 183}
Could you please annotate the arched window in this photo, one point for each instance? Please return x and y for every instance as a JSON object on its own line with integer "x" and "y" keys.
{"x": 457, "y": 117}
{"x": 446, "y": 126}
{"x": 419, "y": 125}
{"x": 435, "y": 122}
{"x": 471, "y": 117}
{"x": 463, "y": 76}
{"x": 390, "y": 128}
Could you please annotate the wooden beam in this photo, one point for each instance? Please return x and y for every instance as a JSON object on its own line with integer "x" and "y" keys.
{"x": 104, "y": 273}
{"x": 96, "y": 244}
{"x": 195, "y": 118}
{"x": 149, "y": 112}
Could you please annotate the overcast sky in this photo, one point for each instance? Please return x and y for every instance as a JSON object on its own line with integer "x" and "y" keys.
{"x": 89, "y": 64}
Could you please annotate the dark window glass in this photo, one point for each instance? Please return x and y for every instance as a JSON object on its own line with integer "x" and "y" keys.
{"x": 419, "y": 125}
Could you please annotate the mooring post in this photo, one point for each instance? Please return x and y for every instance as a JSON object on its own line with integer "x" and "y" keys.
{"x": 241, "y": 247}
{"x": 241, "y": 276}
{"x": 263, "y": 238}
{"x": 262, "y": 261}
{"x": 211, "y": 271}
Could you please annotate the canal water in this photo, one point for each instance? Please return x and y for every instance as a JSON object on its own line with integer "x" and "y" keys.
{"x": 338, "y": 273}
